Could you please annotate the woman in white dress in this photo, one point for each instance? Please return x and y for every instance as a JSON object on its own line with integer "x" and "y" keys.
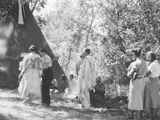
{"x": 30, "y": 75}
{"x": 137, "y": 71}
{"x": 86, "y": 77}
{"x": 152, "y": 93}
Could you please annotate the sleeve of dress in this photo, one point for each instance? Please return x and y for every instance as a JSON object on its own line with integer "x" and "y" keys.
{"x": 23, "y": 64}
{"x": 152, "y": 67}
{"x": 132, "y": 68}
{"x": 20, "y": 66}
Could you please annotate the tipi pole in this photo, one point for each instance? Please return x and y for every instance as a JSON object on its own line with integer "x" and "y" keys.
{"x": 20, "y": 13}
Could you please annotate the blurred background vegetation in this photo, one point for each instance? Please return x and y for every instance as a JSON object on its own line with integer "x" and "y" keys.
{"x": 110, "y": 28}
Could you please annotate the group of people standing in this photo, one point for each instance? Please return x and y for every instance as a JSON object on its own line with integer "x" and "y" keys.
{"x": 144, "y": 88}
{"x": 83, "y": 81}
{"x": 91, "y": 88}
{"x": 35, "y": 76}
{"x": 86, "y": 85}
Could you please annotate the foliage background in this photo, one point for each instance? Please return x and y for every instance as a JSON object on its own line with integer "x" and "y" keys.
{"x": 109, "y": 27}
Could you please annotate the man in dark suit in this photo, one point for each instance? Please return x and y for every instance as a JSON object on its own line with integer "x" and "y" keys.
{"x": 47, "y": 77}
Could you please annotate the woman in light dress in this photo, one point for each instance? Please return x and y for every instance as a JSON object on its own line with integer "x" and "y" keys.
{"x": 30, "y": 75}
{"x": 86, "y": 77}
{"x": 152, "y": 91}
{"x": 137, "y": 71}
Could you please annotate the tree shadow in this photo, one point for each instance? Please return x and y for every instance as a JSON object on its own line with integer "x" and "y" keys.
{"x": 2, "y": 117}
{"x": 84, "y": 114}
{"x": 72, "y": 111}
{"x": 9, "y": 117}
{"x": 12, "y": 99}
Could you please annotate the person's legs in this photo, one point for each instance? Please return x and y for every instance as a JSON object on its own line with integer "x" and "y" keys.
{"x": 154, "y": 114}
{"x": 28, "y": 99}
{"x": 85, "y": 98}
{"x": 131, "y": 114}
{"x": 92, "y": 98}
{"x": 42, "y": 91}
{"x": 45, "y": 94}
{"x": 139, "y": 115}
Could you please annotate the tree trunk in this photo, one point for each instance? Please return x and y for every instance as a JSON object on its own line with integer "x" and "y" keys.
{"x": 69, "y": 59}
{"x": 90, "y": 28}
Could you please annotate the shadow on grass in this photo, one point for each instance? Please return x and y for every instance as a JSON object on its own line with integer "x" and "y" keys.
{"x": 9, "y": 117}
{"x": 70, "y": 111}
{"x": 2, "y": 117}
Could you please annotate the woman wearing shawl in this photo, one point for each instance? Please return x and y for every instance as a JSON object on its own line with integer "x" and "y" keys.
{"x": 137, "y": 71}
{"x": 30, "y": 74}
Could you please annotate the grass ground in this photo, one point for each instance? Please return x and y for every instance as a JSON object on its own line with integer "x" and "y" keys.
{"x": 12, "y": 108}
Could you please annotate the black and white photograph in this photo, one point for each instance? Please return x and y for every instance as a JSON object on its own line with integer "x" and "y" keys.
{"x": 79, "y": 59}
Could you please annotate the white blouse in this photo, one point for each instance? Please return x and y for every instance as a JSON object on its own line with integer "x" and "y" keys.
{"x": 154, "y": 68}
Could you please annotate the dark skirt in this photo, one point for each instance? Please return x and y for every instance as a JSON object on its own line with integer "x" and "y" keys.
{"x": 152, "y": 94}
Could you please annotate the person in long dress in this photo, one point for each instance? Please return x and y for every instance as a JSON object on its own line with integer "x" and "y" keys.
{"x": 30, "y": 75}
{"x": 137, "y": 71}
{"x": 47, "y": 77}
{"x": 87, "y": 77}
{"x": 152, "y": 96}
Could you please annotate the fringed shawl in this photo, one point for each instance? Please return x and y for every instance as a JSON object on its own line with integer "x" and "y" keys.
{"x": 31, "y": 61}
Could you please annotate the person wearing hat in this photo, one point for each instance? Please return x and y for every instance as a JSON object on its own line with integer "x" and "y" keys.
{"x": 87, "y": 77}
{"x": 30, "y": 75}
{"x": 137, "y": 71}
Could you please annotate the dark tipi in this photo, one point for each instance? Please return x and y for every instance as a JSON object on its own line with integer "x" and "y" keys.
{"x": 15, "y": 38}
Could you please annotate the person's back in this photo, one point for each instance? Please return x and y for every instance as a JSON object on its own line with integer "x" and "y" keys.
{"x": 31, "y": 66}
{"x": 139, "y": 66}
{"x": 31, "y": 69}
{"x": 142, "y": 68}
{"x": 100, "y": 89}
